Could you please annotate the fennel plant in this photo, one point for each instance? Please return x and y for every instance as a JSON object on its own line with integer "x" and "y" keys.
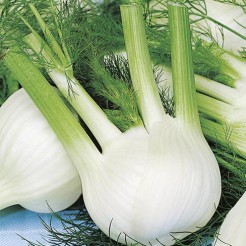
{"x": 117, "y": 111}
{"x": 129, "y": 166}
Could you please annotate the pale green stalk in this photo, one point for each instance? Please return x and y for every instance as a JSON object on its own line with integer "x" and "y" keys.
{"x": 207, "y": 86}
{"x": 219, "y": 101}
{"x": 218, "y": 110}
{"x": 182, "y": 68}
{"x": 143, "y": 80}
{"x": 61, "y": 72}
{"x": 52, "y": 41}
{"x": 64, "y": 48}
{"x": 45, "y": 49}
{"x": 216, "y": 90}
{"x": 239, "y": 65}
{"x": 76, "y": 141}
{"x": 228, "y": 165}
{"x": 231, "y": 138}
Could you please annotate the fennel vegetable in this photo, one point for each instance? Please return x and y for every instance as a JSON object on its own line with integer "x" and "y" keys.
{"x": 225, "y": 178}
{"x": 226, "y": 23}
{"x": 220, "y": 21}
{"x": 229, "y": 109}
{"x": 30, "y": 160}
{"x": 232, "y": 231}
{"x": 225, "y": 111}
{"x": 168, "y": 155}
{"x": 61, "y": 72}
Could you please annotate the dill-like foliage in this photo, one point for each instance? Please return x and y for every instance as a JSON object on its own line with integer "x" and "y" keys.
{"x": 77, "y": 230}
{"x": 92, "y": 33}
{"x": 207, "y": 57}
{"x": 112, "y": 82}
{"x": 13, "y": 29}
{"x": 100, "y": 32}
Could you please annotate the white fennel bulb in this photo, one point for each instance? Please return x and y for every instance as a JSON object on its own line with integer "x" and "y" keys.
{"x": 153, "y": 183}
{"x": 159, "y": 181}
{"x": 35, "y": 169}
{"x": 232, "y": 230}
{"x": 231, "y": 16}
{"x": 223, "y": 21}
{"x": 153, "y": 186}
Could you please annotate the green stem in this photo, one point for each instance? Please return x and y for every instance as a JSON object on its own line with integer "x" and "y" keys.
{"x": 60, "y": 69}
{"x": 55, "y": 46}
{"x": 231, "y": 138}
{"x": 76, "y": 141}
{"x": 207, "y": 86}
{"x": 94, "y": 117}
{"x": 35, "y": 39}
{"x": 222, "y": 112}
{"x": 213, "y": 108}
{"x": 141, "y": 70}
{"x": 238, "y": 64}
{"x": 223, "y": 108}
{"x": 182, "y": 68}
{"x": 217, "y": 90}
{"x": 229, "y": 157}
{"x": 64, "y": 48}
{"x": 227, "y": 165}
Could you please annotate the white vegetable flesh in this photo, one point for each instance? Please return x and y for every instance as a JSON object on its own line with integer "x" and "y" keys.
{"x": 210, "y": 12}
{"x": 229, "y": 15}
{"x": 151, "y": 184}
{"x": 35, "y": 169}
{"x": 233, "y": 228}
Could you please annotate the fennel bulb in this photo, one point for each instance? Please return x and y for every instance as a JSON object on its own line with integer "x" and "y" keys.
{"x": 35, "y": 169}
{"x": 154, "y": 182}
{"x": 232, "y": 230}
{"x": 151, "y": 184}
{"x": 222, "y": 21}
{"x": 229, "y": 15}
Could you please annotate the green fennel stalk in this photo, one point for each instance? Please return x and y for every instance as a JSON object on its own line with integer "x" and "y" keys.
{"x": 50, "y": 104}
{"x": 60, "y": 70}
